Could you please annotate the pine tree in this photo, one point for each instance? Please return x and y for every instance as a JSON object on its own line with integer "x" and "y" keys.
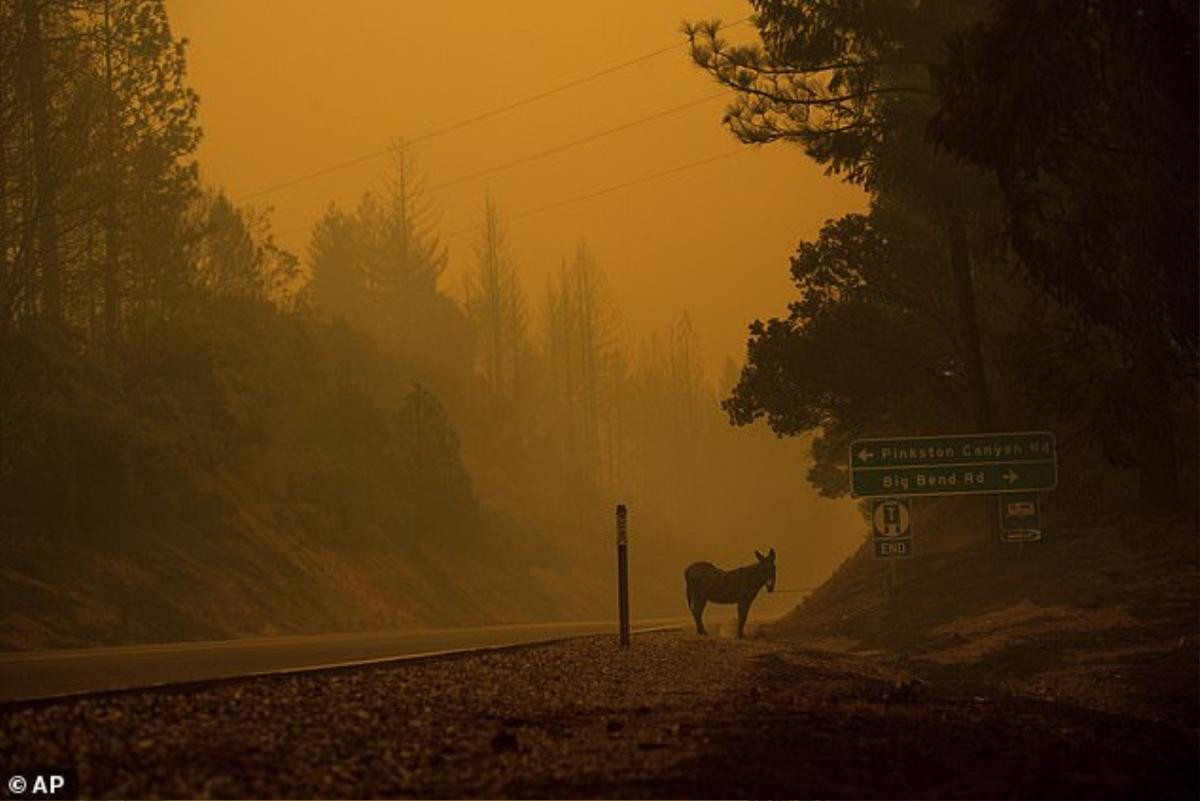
{"x": 496, "y": 305}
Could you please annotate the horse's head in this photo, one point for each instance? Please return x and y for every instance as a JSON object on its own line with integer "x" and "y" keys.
{"x": 766, "y": 569}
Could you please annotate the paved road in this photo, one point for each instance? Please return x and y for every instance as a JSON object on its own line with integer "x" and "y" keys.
{"x": 47, "y": 674}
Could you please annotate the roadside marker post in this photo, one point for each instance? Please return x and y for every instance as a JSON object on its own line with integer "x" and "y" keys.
{"x": 623, "y": 574}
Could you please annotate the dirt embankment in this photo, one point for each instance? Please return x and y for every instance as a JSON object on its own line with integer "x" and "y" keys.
{"x": 257, "y": 576}
{"x": 1103, "y": 613}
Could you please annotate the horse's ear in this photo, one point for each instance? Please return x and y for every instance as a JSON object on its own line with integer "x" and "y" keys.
{"x": 771, "y": 555}
{"x": 761, "y": 558}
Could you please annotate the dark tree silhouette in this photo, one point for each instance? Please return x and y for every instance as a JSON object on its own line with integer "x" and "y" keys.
{"x": 1086, "y": 111}
{"x": 852, "y": 84}
{"x": 868, "y": 346}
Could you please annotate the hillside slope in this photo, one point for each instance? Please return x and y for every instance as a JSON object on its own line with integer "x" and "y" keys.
{"x": 242, "y": 472}
{"x": 254, "y": 577}
{"x": 1103, "y": 613}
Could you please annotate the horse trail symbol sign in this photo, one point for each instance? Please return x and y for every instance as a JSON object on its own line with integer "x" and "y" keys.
{"x": 891, "y": 524}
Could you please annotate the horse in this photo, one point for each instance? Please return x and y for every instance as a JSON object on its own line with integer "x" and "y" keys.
{"x": 707, "y": 582}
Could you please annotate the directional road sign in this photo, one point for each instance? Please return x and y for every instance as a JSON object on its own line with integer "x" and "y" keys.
{"x": 954, "y": 464}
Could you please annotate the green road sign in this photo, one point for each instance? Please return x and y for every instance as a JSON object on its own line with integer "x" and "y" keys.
{"x": 1020, "y": 446}
{"x": 955, "y": 480}
{"x": 954, "y": 465}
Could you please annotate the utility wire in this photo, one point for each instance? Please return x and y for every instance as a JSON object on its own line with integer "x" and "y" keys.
{"x": 472, "y": 120}
{"x": 577, "y": 142}
{"x": 556, "y": 149}
{"x": 587, "y": 196}
{"x": 609, "y": 189}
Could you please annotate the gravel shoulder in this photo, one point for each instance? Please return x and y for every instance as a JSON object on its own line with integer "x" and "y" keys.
{"x": 673, "y": 716}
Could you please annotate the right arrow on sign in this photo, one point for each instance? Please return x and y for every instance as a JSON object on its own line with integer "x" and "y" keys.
{"x": 953, "y": 464}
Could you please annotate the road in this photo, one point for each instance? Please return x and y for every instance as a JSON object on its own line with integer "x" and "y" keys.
{"x": 47, "y": 674}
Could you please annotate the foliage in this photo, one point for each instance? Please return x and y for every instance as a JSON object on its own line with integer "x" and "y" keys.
{"x": 1098, "y": 171}
{"x": 378, "y": 269}
{"x": 495, "y": 304}
{"x": 213, "y": 392}
{"x": 107, "y": 177}
{"x": 1098, "y": 165}
{"x": 852, "y": 84}
{"x": 847, "y": 81}
{"x": 580, "y": 347}
{"x": 235, "y": 254}
{"x": 869, "y": 346}
{"x": 943, "y": 112}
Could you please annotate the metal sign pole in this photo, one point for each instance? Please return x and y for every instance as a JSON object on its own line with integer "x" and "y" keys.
{"x": 994, "y": 524}
{"x": 623, "y": 574}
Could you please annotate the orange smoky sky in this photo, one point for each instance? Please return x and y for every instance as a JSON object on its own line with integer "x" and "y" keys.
{"x": 290, "y": 87}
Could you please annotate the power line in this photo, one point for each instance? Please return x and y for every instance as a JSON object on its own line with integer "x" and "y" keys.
{"x": 577, "y": 142}
{"x": 556, "y": 149}
{"x": 472, "y": 120}
{"x": 587, "y": 196}
{"x": 609, "y": 189}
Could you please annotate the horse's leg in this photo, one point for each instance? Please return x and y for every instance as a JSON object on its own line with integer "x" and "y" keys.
{"x": 698, "y": 605}
{"x": 743, "y": 610}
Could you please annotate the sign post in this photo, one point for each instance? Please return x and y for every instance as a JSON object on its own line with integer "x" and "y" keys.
{"x": 966, "y": 464}
{"x": 891, "y": 535}
{"x": 623, "y": 574}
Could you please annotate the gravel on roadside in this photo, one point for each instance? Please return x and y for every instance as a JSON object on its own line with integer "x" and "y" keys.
{"x": 675, "y": 715}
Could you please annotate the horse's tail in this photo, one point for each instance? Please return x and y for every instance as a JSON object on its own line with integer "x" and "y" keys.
{"x": 693, "y": 579}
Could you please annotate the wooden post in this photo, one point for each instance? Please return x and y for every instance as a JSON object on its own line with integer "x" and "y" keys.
{"x": 623, "y": 574}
